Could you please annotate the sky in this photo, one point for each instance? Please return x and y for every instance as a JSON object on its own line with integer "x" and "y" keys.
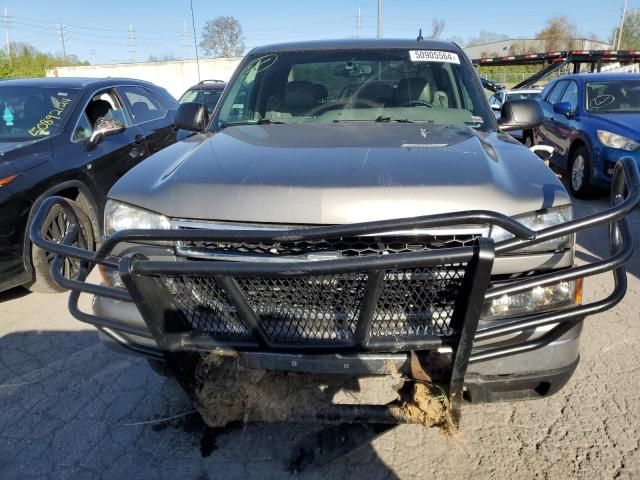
{"x": 99, "y": 31}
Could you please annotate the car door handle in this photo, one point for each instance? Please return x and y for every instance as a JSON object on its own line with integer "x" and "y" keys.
{"x": 138, "y": 139}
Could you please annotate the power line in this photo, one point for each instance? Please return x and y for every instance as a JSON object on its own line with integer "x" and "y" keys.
{"x": 93, "y": 28}
{"x": 185, "y": 39}
{"x": 359, "y": 24}
{"x": 132, "y": 43}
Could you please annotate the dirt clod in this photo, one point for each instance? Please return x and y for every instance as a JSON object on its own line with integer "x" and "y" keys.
{"x": 428, "y": 406}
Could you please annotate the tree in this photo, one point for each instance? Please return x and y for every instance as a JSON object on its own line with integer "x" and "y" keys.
{"x": 520, "y": 47}
{"x": 437, "y": 27}
{"x": 630, "y": 32}
{"x": 26, "y": 61}
{"x": 222, "y": 37}
{"x": 559, "y": 34}
{"x": 166, "y": 57}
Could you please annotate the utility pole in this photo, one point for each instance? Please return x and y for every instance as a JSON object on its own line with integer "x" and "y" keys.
{"x": 6, "y": 31}
{"x": 379, "y": 18}
{"x": 93, "y": 56}
{"x": 64, "y": 49}
{"x": 185, "y": 40}
{"x": 132, "y": 43}
{"x": 624, "y": 13}
{"x": 359, "y": 24}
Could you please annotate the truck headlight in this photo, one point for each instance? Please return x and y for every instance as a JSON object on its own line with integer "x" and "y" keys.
{"x": 538, "y": 299}
{"x": 540, "y": 220}
{"x": 613, "y": 140}
{"x": 122, "y": 216}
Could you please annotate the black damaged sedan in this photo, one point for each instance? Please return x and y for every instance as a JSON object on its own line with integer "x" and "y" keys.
{"x": 72, "y": 137}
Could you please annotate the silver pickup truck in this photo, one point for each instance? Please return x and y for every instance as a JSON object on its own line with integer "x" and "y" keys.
{"x": 353, "y": 209}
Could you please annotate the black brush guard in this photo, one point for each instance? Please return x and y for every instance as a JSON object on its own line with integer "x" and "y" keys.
{"x": 250, "y": 322}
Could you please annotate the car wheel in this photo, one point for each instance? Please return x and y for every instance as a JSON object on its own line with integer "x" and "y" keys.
{"x": 54, "y": 228}
{"x": 580, "y": 173}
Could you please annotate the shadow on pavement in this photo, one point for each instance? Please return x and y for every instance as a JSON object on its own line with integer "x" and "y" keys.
{"x": 14, "y": 293}
{"x": 71, "y": 408}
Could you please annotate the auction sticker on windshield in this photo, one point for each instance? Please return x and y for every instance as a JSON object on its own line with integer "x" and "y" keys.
{"x": 433, "y": 56}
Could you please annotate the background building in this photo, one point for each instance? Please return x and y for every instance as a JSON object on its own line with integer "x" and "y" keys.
{"x": 175, "y": 76}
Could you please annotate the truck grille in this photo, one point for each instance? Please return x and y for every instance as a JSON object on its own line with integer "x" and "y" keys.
{"x": 416, "y": 302}
{"x": 394, "y": 242}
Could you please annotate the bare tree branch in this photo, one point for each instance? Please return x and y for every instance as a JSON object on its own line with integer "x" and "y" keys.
{"x": 437, "y": 27}
{"x": 222, "y": 37}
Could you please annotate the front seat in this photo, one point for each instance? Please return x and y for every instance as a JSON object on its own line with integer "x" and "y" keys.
{"x": 141, "y": 112}
{"x": 411, "y": 90}
{"x": 97, "y": 109}
{"x": 440, "y": 99}
{"x": 301, "y": 96}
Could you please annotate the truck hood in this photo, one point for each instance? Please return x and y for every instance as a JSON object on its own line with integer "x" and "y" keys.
{"x": 340, "y": 173}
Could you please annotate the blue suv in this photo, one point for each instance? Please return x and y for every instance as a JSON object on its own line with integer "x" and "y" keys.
{"x": 591, "y": 120}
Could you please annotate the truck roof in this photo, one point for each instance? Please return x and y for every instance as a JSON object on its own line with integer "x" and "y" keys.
{"x": 357, "y": 43}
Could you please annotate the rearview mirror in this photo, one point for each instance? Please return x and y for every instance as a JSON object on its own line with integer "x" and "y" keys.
{"x": 563, "y": 108}
{"x": 104, "y": 127}
{"x": 520, "y": 115}
{"x": 192, "y": 116}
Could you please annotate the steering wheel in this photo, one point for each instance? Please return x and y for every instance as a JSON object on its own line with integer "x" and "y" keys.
{"x": 325, "y": 107}
{"x": 417, "y": 103}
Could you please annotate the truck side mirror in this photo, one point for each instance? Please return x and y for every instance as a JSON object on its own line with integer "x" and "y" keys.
{"x": 192, "y": 116}
{"x": 520, "y": 115}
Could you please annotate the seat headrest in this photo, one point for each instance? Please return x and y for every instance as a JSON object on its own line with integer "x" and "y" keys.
{"x": 303, "y": 94}
{"x": 140, "y": 111}
{"x": 97, "y": 109}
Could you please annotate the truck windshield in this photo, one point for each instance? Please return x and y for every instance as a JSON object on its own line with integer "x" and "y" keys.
{"x": 621, "y": 96}
{"x": 30, "y": 113}
{"x": 355, "y": 86}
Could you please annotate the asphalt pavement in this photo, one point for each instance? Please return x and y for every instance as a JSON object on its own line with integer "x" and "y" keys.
{"x": 70, "y": 408}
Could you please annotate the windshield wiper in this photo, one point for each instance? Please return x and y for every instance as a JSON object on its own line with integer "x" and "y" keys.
{"x": 382, "y": 119}
{"x": 262, "y": 121}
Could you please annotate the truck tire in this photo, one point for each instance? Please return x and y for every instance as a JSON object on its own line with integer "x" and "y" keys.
{"x": 580, "y": 173}
{"x": 54, "y": 228}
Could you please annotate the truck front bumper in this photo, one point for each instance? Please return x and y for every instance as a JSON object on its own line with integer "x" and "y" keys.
{"x": 425, "y": 305}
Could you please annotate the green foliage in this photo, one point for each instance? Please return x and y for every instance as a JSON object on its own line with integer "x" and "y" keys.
{"x": 26, "y": 61}
{"x": 630, "y": 31}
